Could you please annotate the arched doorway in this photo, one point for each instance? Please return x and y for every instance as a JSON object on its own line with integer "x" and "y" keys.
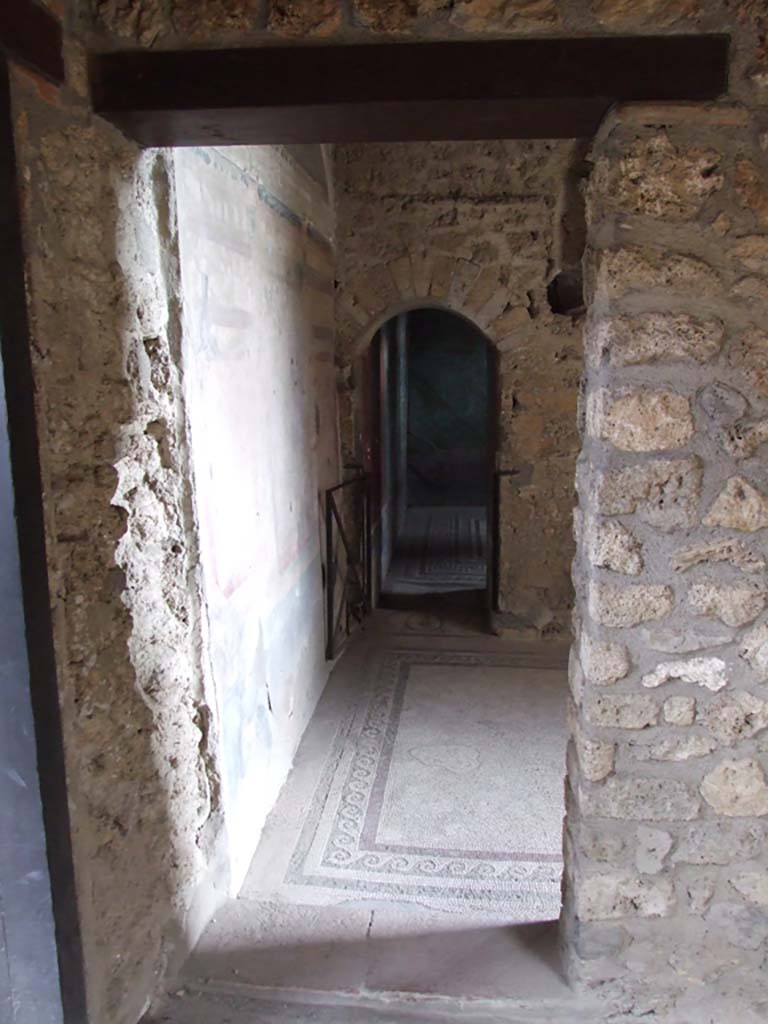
{"x": 431, "y": 423}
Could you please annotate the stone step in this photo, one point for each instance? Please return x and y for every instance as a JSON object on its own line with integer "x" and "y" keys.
{"x": 238, "y": 1004}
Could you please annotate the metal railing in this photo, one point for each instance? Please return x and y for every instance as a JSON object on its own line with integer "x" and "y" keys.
{"x": 348, "y": 574}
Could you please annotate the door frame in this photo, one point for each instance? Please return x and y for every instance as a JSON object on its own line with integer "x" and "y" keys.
{"x": 373, "y": 391}
{"x": 23, "y": 436}
{"x": 493, "y": 513}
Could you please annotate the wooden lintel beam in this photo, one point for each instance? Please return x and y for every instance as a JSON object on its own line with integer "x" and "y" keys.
{"x": 31, "y": 35}
{"x": 522, "y": 88}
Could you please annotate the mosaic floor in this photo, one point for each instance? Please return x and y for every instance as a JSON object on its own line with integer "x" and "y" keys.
{"x": 446, "y": 788}
{"x": 439, "y": 549}
{"x": 414, "y": 852}
{"x": 431, "y": 776}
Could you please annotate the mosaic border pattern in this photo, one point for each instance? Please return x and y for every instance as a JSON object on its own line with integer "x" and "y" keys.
{"x": 350, "y": 849}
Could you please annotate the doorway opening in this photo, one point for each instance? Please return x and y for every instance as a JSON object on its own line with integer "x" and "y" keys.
{"x": 228, "y": 316}
{"x": 432, "y": 379}
{"x": 382, "y": 852}
{"x": 436, "y": 420}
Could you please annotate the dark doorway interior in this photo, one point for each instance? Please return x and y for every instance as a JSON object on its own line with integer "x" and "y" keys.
{"x": 435, "y": 455}
{"x": 447, "y": 411}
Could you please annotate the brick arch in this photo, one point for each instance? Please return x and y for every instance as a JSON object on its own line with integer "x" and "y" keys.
{"x": 427, "y": 278}
{"x": 414, "y": 281}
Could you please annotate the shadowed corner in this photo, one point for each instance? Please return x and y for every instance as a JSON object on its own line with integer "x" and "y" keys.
{"x": 391, "y": 962}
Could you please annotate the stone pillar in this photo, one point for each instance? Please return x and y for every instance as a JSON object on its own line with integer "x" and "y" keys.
{"x": 666, "y": 887}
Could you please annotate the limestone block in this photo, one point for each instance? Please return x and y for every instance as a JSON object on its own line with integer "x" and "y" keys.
{"x": 575, "y": 677}
{"x": 492, "y": 309}
{"x": 603, "y": 662}
{"x": 659, "y": 337}
{"x": 739, "y": 506}
{"x": 633, "y": 13}
{"x": 620, "y": 894}
{"x": 644, "y": 421}
{"x": 351, "y": 311}
{"x": 511, "y": 322}
{"x": 619, "y": 606}
{"x": 303, "y": 17}
{"x": 622, "y": 710}
{"x": 722, "y": 404}
{"x": 742, "y": 440}
{"x": 597, "y": 940}
{"x": 202, "y": 19}
{"x": 735, "y": 716}
{"x": 663, "y": 493}
{"x": 464, "y": 276}
{"x": 655, "y": 178}
{"x": 640, "y": 799}
{"x": 702, "y": 960}
{"x": 422, "y": 264}
{"x": 679, "y": 710}
{"x": 710, "y": 673}
{"x": 754, "y": 649}
{"x": 736, "y": 788}
{"x": 752, "y": 252}
{"x": 394, "y": 15}
{"x": 596, "y": 757}
{"x": 651, "y": 848}
{"x": 375, "y": 290}
{"x": 753, "y": 886}
{"x": 727, "y": 550}
{"x": 719, "y": 842}
{"x": 743, "y": 927}
{"x": 674, "y": 748}
{"x": 685, "y": 640}
{"x": 613, "y": 546}
{"x": 700, "y": 891}
{"x": 753, "y": 290}
{"x": 752, "y": 190}
{"x": 735, "y": 604}
{"x": 402, "y": 274}
{"x": 489, "y": 283}
{"x": 142, "y": 21}
{"x": 442, "y": 275}
{"x": 495, "y": 15}
{"x": 598, "y": 844}
{"x": 647, "y": 958}
{"x": 749, "y": 354}
{"x": 635, "y": 268}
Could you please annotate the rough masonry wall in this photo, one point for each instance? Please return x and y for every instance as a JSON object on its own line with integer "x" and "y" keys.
{"x": 178, "y": 23}
{"x": 257, "y": 272}
{"x": 472, "y": 227}
{"x": 138, "y": 734}
{"x": 80, "y": 304}
{"x": 666, "y": 845}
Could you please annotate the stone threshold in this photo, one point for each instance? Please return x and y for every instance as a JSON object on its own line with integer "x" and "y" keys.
{"x": 243, "y": 1004}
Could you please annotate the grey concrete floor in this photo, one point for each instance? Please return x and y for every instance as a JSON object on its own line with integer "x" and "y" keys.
{"x": 312, "y": 944}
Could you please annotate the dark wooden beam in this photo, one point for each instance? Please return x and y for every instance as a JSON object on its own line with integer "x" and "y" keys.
{"x": 28, "y": 498}
{"x": 31, "y": 35}
{"x": 522, "y": 88}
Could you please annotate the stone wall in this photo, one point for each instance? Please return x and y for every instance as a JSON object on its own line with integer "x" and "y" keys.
{"x": 257, "y": 281}
{"x": 141, "y": 749}
{"x": 139, "y": 726}
{"x": 668, "y": 816}
{"x": 179, "y": 23}
{"x": 473, "y": 227}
